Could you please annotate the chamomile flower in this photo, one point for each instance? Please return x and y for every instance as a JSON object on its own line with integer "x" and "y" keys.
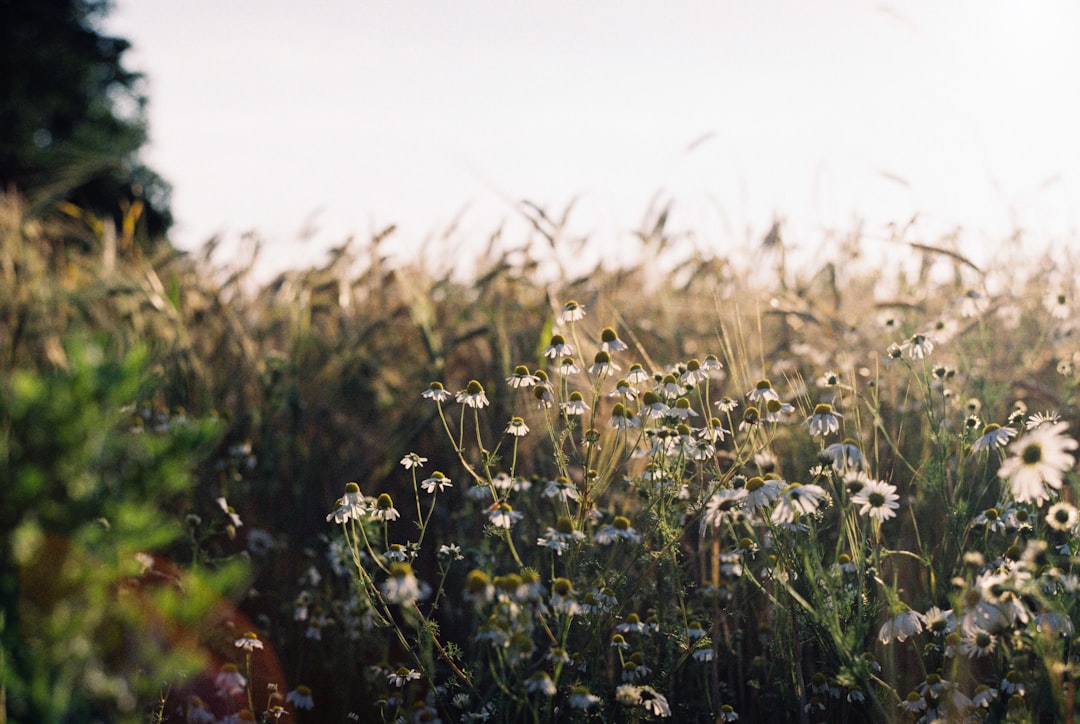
{"x": 724, "y": 506}
{"x": 1057, "y": 302}
{"x": 540, "y": 683}
{"x": 567, "y": 367}
{"x": 521, "y": 377}
{"x": 575, "y": 405}
{"x": 824, "y": 421}
{"x": 501, "y": 515}
{"x": 229, "y": 681}
{"x": 1038, "y": 460}
{"x": 845, "y": 455}
{"x": 384, "y": 508}
{"x": 762, "y": 391}
{"x": 300, "y": 697}
{"x": 877, "y": 499}
{"x": 580, "y": 698}
{"x": 436, "y": 392}
{"x": 623, "y": 418}
{"x": 977, "y": 643}
{"x": 654, "y": 702}
{"x": 561, "y": 537}
{"x": 993, "y": 436}
{"x": 249, "y": 642}
{"x": 562, "y": 489}
{"x": 694, "y": 373}
{"x": 618, "y": 529}
{"x": 637, "y": 374}
{"x": 1039, "y": 419}
{"x": 899, "y": 627}
{"x": 918, "y": 346}
{"x": 572, "y": 312}
{"x": 726, "y": 404}
{"x": 473, "y": 395}
{"x": 610, "y": 342}
{"x": 517, "y": 427}
{"x": 797, "y": 499}
{"x": 402, "y": 676}
{"x": 558, "y": 348}
{"x": 437, "y": 481}
{"x": 412, "y": 460}
{"x": 602, "y": 365}
{"x": 402, "y": 586}
{"x": 1062, "y": 516}
{"x": 761, "y": 492}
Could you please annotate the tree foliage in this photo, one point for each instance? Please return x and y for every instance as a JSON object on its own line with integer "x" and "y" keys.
{"x": 72, "y": 117}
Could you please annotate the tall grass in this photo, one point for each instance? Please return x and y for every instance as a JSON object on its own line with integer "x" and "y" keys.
{"x": 316, "y": 378}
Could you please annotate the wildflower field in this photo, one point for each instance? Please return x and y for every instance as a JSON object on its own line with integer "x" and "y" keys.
{"x": 699, "y": 487}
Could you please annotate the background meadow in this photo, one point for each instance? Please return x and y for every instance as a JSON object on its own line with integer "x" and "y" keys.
{"x": 743, "y": 458}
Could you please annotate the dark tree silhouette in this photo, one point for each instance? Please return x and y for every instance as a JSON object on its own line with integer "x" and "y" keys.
{"x": 72, "y": 117}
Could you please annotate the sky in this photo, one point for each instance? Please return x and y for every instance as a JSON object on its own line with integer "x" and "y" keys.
{"x": 308, "y": 122}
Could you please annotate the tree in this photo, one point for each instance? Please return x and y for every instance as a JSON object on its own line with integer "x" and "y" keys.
{"x": 72, "y": 117}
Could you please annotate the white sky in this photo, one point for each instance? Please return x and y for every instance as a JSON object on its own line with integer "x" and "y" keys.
{"x": 266, "y": 114}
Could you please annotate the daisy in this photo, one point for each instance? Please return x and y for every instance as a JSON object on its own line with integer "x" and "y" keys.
{"x": 763, "y": 390}
{"x": 436, "y": 481}
{"x": 651, "y": 406}
{"x": 694, "y": 373}
{"x": 248, "y": 642}
{"x": 517, "y": 427}
{"x": 412, "y": 460}
{"x": 993, "y": 436}
{"x": 622, "y": 418}
{"x": 823, "y": 421}
{"x": 602, "y": 365}
{"x": 668, "y": 387}
{"x": 618, "y": 529}
{"x": 1038, "y": 460}
{"x": 939, "y": 621}
{"x": 797, "y": 499}
{"x": 610, "y": 342}
{"x": 845, "y": 455}
{"x": 436, "y": 392}
{"x": 540, "y": 683}
{"x": 1057, "y": 303}
{"x": 976, "y": 643}
{"x": 1062, "y": 516}
{"x": 919, "y": 346}
{"x": 624, "y": 390}
{"x": 568, "y": 367}
{"x": 473, "y": 395}
{"x": 904, "y": 624}
{"x": 580, "y": 698}
{"x": 1039, "y": 419}
{"x": 521, "y": 378}
{"x": 384, "y": 508}
{"x": 561, "y": 537}
{"x": 761, "y": 492}
{"x": 723, "y": 507}
{"x": 572, "y": 312}
{"x": 654, "y": 702}
{"x": 229, "y": 681}
{"x": 878, "y": 500}
{"x": 402, "y": 586}
{"x": 402, "y": 676}
{"x": 726, "y": 404}
{"x": 561, "y": 488}
{"x": 502, "y": 515}
{"x": 681, "y": 409}
{"x": 558, "y": 347}
{"x": 637, "y": 374}
{"x": 576, "y": 405}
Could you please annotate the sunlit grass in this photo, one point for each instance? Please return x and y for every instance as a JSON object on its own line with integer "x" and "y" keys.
{"x": 794, "y": 510}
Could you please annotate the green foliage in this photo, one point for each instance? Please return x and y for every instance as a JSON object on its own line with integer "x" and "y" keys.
{"x": 88, "y": 498}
